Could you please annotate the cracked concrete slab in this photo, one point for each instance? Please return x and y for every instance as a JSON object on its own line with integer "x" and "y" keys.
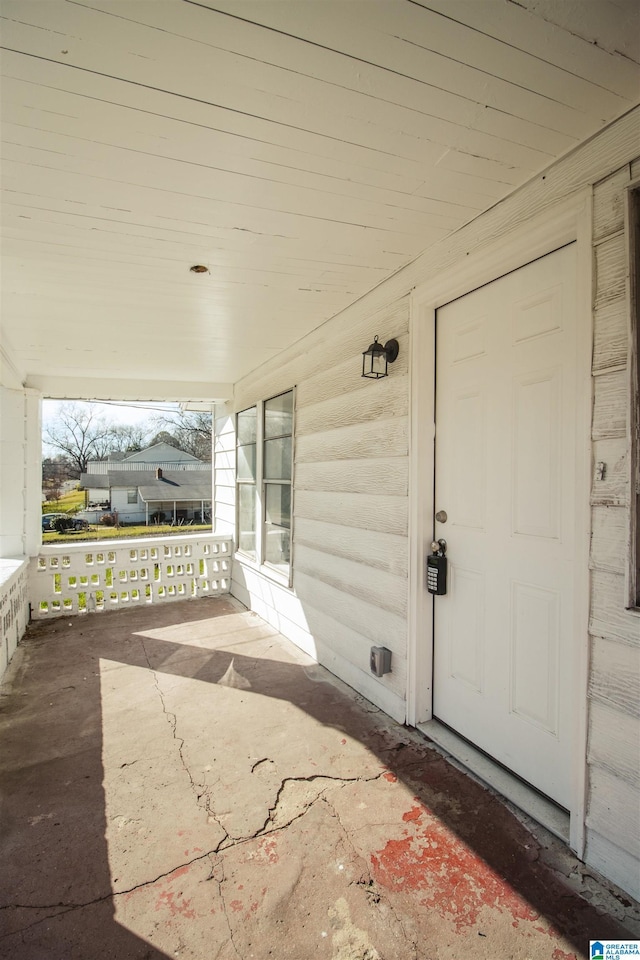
{"x": 181, "y": 782}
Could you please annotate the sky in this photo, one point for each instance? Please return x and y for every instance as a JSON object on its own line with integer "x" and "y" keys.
{"x": 113, "y": 411}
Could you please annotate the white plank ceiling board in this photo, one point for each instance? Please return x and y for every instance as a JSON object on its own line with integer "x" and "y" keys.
{"x": 302, "y": 150}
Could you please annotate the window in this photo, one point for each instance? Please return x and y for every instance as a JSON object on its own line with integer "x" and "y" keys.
{"x": 132, "y": 496}
{"x": 264, "y": 461}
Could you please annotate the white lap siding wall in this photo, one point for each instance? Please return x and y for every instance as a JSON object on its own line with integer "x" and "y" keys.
{"x": 351, "y": 469}
{"x": 351, "y": 503}
{"x": 613, "y": 811}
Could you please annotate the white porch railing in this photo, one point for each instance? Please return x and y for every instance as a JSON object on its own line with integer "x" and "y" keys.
{"x": 14, "y": 607}
{"x": 107, "y": 575}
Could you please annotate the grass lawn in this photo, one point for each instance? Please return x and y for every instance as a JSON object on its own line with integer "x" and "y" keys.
{"x": 122, "y": 533}
{"x": 69, "y": 502}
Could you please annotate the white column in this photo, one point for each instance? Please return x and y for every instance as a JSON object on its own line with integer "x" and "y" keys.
{"x": 20, "y": 472}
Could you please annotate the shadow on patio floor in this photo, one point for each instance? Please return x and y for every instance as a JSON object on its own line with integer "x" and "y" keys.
{"x": 179, "y": 781}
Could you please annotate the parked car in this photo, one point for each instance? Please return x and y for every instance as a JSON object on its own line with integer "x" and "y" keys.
{"x": 48, "y": 518}
{"x": 73, "y": 523}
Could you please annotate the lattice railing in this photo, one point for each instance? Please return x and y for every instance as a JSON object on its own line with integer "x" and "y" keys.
{"x": 98, "y": 576}
{"x": 14, "y": 607}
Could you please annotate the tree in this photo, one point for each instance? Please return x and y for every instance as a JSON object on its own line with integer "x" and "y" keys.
{"x": 127, "y": 438}
{"x": 79, "y": 434}
{"x": 164, "y": 437}
{"x": 52, "y": 491}
{"x": 58, "y": 469}
{"x": 189, "y": 430}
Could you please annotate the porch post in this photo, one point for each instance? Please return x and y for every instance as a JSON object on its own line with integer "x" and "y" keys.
{"x": 20, "y": 472}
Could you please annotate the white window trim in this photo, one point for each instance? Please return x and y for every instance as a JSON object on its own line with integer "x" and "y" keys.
{"x": 259, "y": 564}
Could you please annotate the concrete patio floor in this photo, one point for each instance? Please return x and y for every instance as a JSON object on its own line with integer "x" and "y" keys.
{"x": 181, "y": 782}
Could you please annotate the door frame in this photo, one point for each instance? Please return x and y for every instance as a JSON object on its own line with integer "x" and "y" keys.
{"x": 567, "y": 221}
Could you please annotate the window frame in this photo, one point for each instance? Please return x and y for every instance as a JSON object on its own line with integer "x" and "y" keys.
{"x": 257, "y": 558}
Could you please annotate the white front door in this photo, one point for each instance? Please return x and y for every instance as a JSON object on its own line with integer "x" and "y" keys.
{"x": 506, "y": 480}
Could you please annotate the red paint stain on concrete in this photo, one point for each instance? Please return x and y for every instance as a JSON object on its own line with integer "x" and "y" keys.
{"x": 268, "y": 850}
{"x": 559, "y": 954}
{"x": 176, "y": 907}
{"x": 455, "y": 881}
{"x": 390, "y": 777}
{"x": 343, "y": 741}
{"x": 237, "y": 906}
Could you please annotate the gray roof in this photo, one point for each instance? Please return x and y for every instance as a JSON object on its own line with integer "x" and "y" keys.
{"x": 173, "y": 485}
{"x": 161, "y": 451}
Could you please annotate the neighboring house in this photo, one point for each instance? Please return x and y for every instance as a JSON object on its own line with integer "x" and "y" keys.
{"x": 157, "y": 485}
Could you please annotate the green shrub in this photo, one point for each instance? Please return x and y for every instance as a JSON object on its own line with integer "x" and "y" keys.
{"x": 62, "y": 524}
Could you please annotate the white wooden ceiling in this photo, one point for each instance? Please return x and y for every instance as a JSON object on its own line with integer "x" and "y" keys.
{"x": 302, "y": 150}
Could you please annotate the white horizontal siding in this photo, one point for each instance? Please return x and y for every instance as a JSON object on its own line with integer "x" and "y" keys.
{"x": 348, "y": 531}
{"x": 609, "y": 534}
{"x": 610, "y": 269}
{"x": 355, "y": 440}
{"x": 613, "y": 861}
{"x": 609, "y": 204}
{"x": 614, "y": 742}
{"x": 374, "y": 548}
{"x": 613, "y": 488}
{"x": 386, "y": 477}
{"x": 611, "y": 335}
{"x": 383, "y": 514}
{"x": 610, "y": 405}
{"x": 381, "y": 401}
{"x": 615, "y": 805}
{"x": 224, "y": 465}
{"x": 379, "y": 588}
{"x": 351, "y": 471}
{"x": 613, "y": 801}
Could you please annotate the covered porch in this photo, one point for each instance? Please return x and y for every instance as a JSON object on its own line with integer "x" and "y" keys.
{"x": 223, "y": 204}
{"x": 183, "y": 782}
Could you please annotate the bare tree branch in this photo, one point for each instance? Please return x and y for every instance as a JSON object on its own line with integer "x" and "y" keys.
{"x": 79, "y": 434}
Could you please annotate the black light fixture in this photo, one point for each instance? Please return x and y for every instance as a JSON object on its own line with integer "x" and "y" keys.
{"x": 376, "y": 358}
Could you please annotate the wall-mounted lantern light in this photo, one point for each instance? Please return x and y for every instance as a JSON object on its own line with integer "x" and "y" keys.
{"x": 376, "y": 358}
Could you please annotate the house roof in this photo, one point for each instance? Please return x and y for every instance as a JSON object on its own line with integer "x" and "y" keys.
{"x": 173, "y": 485}
{"x": 161, "y": 452}
{"x": 300, "y": 153}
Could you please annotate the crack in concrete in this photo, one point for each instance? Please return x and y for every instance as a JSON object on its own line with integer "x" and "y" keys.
{"x": 220, "y": 881}
{"x": 227, "y": 841}
{"x": 199, "y": 789}
{"x": 67, "y": 907}
{"x": 272, "y": 814}
{"x": 372, "y": 891}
